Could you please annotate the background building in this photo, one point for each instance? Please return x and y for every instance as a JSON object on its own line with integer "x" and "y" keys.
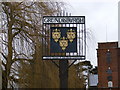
{"x": 93, "y": 78}
{"x": 108, "y": 65}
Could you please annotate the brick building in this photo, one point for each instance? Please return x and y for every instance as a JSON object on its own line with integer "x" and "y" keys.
{"x": 108, "y": 65}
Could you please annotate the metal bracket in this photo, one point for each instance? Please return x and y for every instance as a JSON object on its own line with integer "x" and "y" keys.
{"x": 59, "y": 66}
{"x": 55, "y": 64}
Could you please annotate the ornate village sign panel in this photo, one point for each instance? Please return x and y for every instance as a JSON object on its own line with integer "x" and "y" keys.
{"x": 64, "y": 37}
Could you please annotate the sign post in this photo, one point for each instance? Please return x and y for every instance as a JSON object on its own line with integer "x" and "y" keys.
{"x": 63, "y": 73}
{"x": 64, "y": 38}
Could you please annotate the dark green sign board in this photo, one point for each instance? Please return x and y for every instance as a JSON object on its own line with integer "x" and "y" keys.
{"x": 63, "y": 39}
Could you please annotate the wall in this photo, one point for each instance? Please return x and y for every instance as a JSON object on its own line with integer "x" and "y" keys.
{"x": 104, "y": 65}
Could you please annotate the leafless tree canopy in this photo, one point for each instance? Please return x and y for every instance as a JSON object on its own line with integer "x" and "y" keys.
{"x": 21, "y": 34}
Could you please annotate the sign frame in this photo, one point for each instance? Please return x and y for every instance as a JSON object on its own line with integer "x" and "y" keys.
{"x": 81, "y": 38}
{"x": 64, "y": 19}
{"x": 63, "y": 57}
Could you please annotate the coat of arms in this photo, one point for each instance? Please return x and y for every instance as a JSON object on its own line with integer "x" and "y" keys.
{"x": 63, "y": 38}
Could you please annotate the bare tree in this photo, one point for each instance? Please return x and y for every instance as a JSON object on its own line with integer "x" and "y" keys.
{"x": 22, "y": 63}
{"x": 22, "y": 38}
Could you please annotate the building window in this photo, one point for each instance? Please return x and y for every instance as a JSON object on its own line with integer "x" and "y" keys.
{"x": 110, "y": 84}
{"x": 109, "y": 78}
{"x": 109, "y": 71}
{"x": 108, "y": 56}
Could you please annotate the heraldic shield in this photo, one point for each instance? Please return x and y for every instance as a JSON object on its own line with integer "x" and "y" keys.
{"x": 63, "y": 39}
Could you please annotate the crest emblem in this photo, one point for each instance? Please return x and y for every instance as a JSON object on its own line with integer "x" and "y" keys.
{"x": 63, "y": 39}
{"x": 56, "y": 34}
{"x": 71, "y": 35}
{"x": 63, "y": 42}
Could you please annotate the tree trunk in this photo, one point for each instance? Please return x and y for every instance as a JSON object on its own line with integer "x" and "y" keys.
{"x": 9, "y": 57}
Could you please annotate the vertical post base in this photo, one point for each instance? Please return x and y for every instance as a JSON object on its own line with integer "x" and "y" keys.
{"x": 63, "y": 73}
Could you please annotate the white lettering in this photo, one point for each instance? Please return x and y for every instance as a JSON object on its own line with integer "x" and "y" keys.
{"x": 64, "y": 20}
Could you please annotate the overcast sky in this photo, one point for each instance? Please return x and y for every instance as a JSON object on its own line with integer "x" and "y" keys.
{"x": 101, "y": 22}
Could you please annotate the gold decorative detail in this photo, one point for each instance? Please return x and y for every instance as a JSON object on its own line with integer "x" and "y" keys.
{"x": 71, "y": 35}
{"x": 63, "y": 42}
{"x": 56, "y": 34}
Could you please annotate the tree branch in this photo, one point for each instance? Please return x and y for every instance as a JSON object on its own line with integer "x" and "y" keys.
{"x": 4, "y": 55}
{"x": 21, "y": 59}
{"x": 4, "y": 64}
{"x": 16, "y": 33}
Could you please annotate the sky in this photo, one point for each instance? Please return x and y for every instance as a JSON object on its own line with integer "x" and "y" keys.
{"x": 101, "y": 22}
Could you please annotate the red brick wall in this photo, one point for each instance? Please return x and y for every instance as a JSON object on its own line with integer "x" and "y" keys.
{"x": 119, "y": 66}
{"x": 103, "y": 64}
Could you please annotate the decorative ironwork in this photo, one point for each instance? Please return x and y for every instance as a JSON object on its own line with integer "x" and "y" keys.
{"x": 63, "y": 42}
{"x": 64, "y": 35}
